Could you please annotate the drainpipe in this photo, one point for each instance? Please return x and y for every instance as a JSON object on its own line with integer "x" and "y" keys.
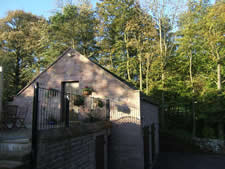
{"x": 1, "y": 90}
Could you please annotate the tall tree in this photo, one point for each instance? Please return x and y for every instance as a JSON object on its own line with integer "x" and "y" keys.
{"x": 213, "y": 33}
{"x": 20, "y": 44}
{"x": 165, "y": 14}
{"x": 190, "y": 43}
{"x": 114, "y": 15}
{"x": 141, "y": 33}
{"x": 74, "y": 27}
{"x": 190, "y": 39}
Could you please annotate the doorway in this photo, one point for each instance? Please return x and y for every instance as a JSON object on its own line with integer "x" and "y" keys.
{"x": 70, "y": 88}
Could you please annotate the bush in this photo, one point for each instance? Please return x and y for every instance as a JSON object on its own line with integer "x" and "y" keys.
{"x": 78, "y": 100}
{"x": 208, "y": 132}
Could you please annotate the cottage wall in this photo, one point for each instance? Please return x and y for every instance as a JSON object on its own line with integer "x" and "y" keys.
{"x": 76, "y": 67}
{"x": 149, "y": 113}
{"x": 126, "y": 144}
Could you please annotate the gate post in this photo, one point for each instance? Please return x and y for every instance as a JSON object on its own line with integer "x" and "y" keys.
{"x": 67, "y": 111}
{"x": 35, "y": 126}
{"x": 107, "y": 110}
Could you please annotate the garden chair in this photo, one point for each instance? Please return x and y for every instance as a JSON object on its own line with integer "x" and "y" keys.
{"x": 10, "y": 115}
{"x": 21, "y": 116}
{"x": 3, "y": 124}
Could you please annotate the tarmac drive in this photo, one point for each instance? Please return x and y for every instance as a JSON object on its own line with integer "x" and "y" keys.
{"x": 189, "y": 160}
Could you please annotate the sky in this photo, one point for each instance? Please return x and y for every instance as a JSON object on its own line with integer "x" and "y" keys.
{"x": 44, "y": 8}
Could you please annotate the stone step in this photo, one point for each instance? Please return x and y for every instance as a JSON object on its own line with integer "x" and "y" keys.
{"x": 15, "y": 140}
{"x": 15, "y": 145}
{"x": 15, "y": 156}
{"x": 7, "y": 164}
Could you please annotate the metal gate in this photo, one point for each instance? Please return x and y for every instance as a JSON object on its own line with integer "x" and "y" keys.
{"x": 146, "y": 147}
{"x": 99, "y": 152}
{"x": 153, "y": 141}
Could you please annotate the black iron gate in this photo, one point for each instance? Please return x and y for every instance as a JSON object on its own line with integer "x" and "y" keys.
{"x": 153, "y": 141}
{"x": 46, "y": 115}
{"x": 146, "y": 148}
{"x": 99, "y": 152}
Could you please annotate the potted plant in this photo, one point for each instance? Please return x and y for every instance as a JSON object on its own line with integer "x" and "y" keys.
{"x": 87, "y": 91}
{"x": 99, "y": 103}
{"x": 52, "y": 120}
{"x": 78, "y": 100}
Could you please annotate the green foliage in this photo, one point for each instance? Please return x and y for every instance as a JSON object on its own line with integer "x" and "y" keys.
{"x": 143, "y": 46}
{"x": 99, "y": 103}
{"x": 208, "y": 132}
{"x": 86, "y": 88}
{"x": 21, "y": 48}
{"x": 74, "y": 27}
{"x": 78, "y": 100}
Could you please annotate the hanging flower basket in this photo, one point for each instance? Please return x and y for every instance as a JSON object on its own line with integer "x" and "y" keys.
{"x": 78, "y": 100}
{"x": 87, "y": 91}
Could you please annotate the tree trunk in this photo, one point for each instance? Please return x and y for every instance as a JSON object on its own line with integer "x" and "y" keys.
{"x": 140, "y": 73}
{"x": 17, "y": 74}
{"x": 218, "y": 76}
{"x": 73, "y": 43}
{"x": 160, "y": 39}
{"x": 193, "y": 101}
{"x": 147, "y": 74}
{"x": 128, "y": 57}
{"x": 111, "y": 60}
{"x": 190, "y": 70}
{"x": 162, "y": 76}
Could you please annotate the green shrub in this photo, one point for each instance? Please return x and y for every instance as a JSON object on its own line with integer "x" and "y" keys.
{"x": 78, "y": 100}
{"x": 208, "y": 132}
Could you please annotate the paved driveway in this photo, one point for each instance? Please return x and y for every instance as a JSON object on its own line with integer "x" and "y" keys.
{"x": 188, "y": 160}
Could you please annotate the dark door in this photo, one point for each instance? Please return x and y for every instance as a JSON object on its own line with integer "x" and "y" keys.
{"x": 146, "y": 148}
{"x": 99, "y": 152}
{"x": 70, "y": 88}
{"x": 153, "y": 141}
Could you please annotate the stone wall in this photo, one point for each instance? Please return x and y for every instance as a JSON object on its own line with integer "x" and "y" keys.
{"x": 211, "y": 145}
{"x": 64, "y": 149}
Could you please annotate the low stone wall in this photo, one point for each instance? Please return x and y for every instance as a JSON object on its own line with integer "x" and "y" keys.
{"x": 212, "y": 145}
{"x": 69, "y": 148}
